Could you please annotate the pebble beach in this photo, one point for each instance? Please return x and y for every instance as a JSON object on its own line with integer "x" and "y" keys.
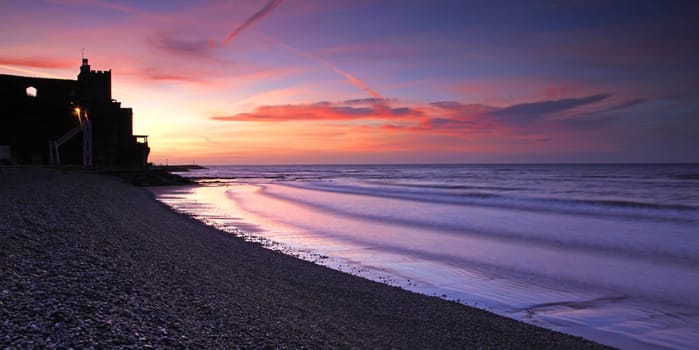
{"x": 90, "y": 261}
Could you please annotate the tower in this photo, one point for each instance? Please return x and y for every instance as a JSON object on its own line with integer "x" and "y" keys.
{"x": 94, "y": 86}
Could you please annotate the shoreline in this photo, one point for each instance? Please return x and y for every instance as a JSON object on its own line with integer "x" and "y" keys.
{"x": 533, "y": 303}
{"x": 90, "y": 260}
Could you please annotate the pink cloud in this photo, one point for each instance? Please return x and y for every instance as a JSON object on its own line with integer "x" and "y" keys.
{"x": 158, "y": 76}
{"x": 449, "y": 117}
{"x": 36, "y": 62}
{"x": 322, "y": 111}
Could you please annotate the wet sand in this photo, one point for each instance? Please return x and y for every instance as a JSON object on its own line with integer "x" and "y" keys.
{"x": 89, "y": 260}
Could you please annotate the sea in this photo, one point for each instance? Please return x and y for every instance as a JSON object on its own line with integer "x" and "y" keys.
{"x": 608, "y": 252}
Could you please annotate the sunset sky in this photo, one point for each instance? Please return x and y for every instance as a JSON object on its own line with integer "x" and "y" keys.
{"x": 318, "y": 81}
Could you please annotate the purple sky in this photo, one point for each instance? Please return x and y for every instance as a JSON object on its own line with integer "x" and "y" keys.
{"x": 382, "y": 81}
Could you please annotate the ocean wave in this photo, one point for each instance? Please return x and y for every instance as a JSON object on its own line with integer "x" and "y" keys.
{"x": 457, "y": 222}
{"x": 595, "y": 207}
{"x": 690, "y": 176}
{"x": 448, "y": 186}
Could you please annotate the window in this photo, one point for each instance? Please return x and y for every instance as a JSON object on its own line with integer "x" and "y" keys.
{"x": 31, "y": 91}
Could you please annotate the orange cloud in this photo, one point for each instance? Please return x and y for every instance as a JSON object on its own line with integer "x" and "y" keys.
{"x": 36, "y": 62}
{"x": 323, "y": 111}
{"x": 151, "y": 75}
{"x": 443, "y": 117}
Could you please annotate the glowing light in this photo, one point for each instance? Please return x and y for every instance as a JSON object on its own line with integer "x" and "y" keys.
{"x": 77, "y": 111}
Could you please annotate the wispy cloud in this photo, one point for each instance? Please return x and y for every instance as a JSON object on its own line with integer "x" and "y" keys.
{"x": 322, "y": 111}
{"x": 355, "y": 81}
{"x": 371, "y": 101}
{"x": 349, "y": 77}
{"x": 158, "y": 75}
{"x": 36, "y": 62}
{"x": 264, "y": 11}
{"x": 103, "y": 4}
{"x": 541, "y": 108}
{"x": 616, "y": 107}
{"x": 599, "y": 118}
{"x": 179, "y": 44}
{"x": 523, "y": 118}
{"x": 462, "y": 110}
{"x": 189, "y": 41}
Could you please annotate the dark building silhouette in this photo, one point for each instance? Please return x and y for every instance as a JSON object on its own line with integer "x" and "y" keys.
{"x": 43, "y": 118}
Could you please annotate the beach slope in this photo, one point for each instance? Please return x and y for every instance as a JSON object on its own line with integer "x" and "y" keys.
{"x": 89, "y": 260}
